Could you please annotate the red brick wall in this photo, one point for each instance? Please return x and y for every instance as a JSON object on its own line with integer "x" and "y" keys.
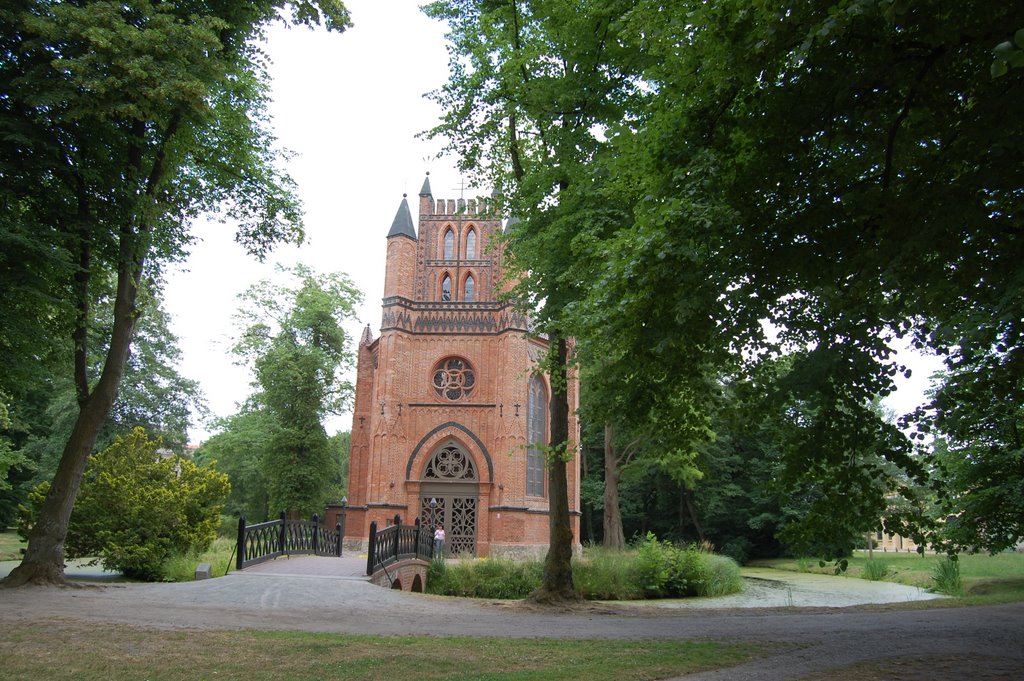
{"x": 397, "y": 414}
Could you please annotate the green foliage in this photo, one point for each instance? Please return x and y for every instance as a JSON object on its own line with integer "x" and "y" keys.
{"x": 219, "y": 555}
{"x": 668, "y": 571}
{"x": 239, "y": 450}
{"x": 946, "y": 576}
{"x": 138, "y": 507}
{"x": 875, "y": 570}
{"x": 652, "y": 570}
{"x": 295, "y": 339}
{"x": 123, "y": 122}
{"x": 488, "y": 578}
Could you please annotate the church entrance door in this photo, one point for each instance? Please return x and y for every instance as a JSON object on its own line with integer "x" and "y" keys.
{"x": 449, "y": 495}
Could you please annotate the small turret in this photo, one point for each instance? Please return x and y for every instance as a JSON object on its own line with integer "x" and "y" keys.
{"x": 400, "y": 271}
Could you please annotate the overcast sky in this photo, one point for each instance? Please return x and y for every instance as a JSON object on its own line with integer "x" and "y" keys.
{"x": 349, "y": 106}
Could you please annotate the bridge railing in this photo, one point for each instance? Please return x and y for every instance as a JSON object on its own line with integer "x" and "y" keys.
{"x": 265, "y": 541}
{"x": 397, "y": 542}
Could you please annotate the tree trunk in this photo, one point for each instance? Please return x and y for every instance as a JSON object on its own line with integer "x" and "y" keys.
{"x": 556, "y": 584}
{"x": 44, "y": 557}
{"x": 613, "y": 535}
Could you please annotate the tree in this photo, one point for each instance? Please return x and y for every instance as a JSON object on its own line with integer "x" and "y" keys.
{"x": 295, "y": 339}
{"x": 525, "y": 100}
{"x": 819, "y": 180}
{"x": 239, "y": 450}
{"x": 123, "y": 122}
{"x": 138, "y": 507}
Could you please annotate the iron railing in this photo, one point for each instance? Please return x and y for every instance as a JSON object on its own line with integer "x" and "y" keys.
{"x": 264, "y": 541}
{"x": 398, "y": 542}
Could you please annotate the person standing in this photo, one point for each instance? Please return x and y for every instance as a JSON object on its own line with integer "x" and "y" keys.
{"x": 439, "y": 541}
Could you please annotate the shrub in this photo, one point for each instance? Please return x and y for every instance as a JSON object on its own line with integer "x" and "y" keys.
{"x": 484, "y": 578}
{"x": 723, "y": 576}
{"x": 655, "y": 569}
{"x": 137, "y": 508}
{"x": 607, "y": 575}
{"x": 946, "y": 575}
{"x": 875, "y": 570}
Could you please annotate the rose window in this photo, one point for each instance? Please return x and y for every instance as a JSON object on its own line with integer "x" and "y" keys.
{"x": 453, "y": 379}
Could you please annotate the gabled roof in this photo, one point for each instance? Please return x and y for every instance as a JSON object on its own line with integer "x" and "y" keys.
{"x": 402, "y": 226}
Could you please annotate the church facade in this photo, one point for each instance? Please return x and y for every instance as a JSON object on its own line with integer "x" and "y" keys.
{"x": 450, "y": 405}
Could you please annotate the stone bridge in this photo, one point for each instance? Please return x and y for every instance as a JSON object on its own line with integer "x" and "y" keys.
{"x": 407, "y": 575}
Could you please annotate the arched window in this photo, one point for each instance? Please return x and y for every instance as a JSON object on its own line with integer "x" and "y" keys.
{"x": 537, "y": 432}
{"x": 453, "y": 379}
{"x": 450, "y": 463}
{"x": 446, "y": 289}
{"x": 469, "y": 293}
{"x": 449, "y": 245}
{"x": 471, "y": 245}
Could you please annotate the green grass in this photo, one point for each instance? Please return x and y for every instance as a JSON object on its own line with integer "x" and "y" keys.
{"x": 183, "y": 568}
{"x": 124, "y": 652}
{"x": 177, "y": 568}
{"x": 10, "y": 545}
{"x": 599, "y": 574}
{"x": 985, "y": 579}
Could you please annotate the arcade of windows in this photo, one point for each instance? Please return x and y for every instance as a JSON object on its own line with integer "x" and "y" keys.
{"x": 469, "y": 285}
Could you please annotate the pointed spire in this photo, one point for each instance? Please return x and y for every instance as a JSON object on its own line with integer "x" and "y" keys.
{"x": 512, "y": 221}
{"x": 425, "y": 189}
{"x": 367, "y": 337}
{"x": 402, "y": 226}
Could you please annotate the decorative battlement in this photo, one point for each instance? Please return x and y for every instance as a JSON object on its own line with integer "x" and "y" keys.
{"x": 451, "y": 318}
{"x": 478, "y": 208}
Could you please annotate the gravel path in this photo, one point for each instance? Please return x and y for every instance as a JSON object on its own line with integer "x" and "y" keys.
{"x": 987, "y": 642}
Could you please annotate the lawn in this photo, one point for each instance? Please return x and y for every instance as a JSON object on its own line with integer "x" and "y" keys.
{"x": 58, "y": 650}
{"x": 986, "y": 579}
{"x": 10, "y": 545}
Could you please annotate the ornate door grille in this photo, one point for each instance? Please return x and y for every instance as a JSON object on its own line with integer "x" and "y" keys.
{"x": 458, "y": 515}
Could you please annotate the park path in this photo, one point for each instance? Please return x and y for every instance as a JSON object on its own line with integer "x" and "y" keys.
{"x": 809, "y": 640}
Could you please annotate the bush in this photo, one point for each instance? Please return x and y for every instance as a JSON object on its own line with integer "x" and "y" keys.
{"x": 654, "y": 570}
{"x": 137, "y": 508}
{"x": 484, "y": 578}
{"x": 946, "y": 575}
{"x": 875, "y": 570}
{"x": 607, "y": 574}
{"x": 667, "y": 571}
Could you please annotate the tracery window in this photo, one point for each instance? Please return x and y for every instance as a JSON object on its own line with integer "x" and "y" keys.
{"x": 469, "y": 294}
{"x": 450, "y": 463}
{"x": 536, "y": 431}
{"x": 446, "y": 289}
{"x": 449, "y": 245}
{"x": 471, "y": 245}
{"x": 453, "y": 379}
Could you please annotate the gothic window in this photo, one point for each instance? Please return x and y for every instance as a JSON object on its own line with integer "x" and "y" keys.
{"x": 536, "y": 431}
{"x": 453, "y": 379}
{"x": 449, "y": 245}
{"x": 446, "y": 289}
{"x": 471, "y": 245}
{"x": 468, "y": 293}
{"x": 450, "y": 463}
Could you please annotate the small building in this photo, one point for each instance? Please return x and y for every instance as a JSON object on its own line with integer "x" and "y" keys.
{"x": 451, "y": 408}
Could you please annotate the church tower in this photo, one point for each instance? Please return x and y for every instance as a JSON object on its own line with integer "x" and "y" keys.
{"x": 450, "y": 402}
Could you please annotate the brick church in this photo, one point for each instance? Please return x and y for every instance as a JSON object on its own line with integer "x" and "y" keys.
{"x": 448, "y": 395}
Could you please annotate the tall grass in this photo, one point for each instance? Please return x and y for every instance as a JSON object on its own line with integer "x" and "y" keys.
{"x": 183, "y": 568}
{"x": 946, "y": 575}
{"x": 653, "y": 570}
{"x": 875, "y": 570}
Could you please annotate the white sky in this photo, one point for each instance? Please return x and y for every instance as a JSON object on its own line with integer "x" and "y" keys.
{"x": 349, "y": 106}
